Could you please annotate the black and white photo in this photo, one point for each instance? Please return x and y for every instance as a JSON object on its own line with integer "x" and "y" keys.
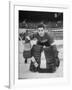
{"x": 40, "y": 44}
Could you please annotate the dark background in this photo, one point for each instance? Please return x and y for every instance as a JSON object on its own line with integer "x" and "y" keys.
{"x": 37, "y": 16}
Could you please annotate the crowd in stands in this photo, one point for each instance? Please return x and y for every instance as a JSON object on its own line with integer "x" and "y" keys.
{"x": 33, "y": 25}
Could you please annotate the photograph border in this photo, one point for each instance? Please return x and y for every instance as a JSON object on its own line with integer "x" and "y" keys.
{"x": 13, "y": 80}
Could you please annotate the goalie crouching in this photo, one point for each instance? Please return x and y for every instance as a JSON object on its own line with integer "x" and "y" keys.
{"x": 45, "y": 43}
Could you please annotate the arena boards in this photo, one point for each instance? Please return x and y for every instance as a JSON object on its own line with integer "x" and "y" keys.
{"x": 57, "y": 24}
